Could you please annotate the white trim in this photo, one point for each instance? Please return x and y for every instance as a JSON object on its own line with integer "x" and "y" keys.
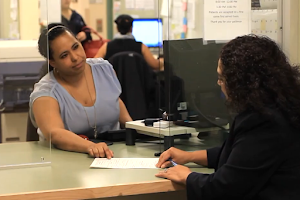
{"x": 19, "y": 51}
{"x": 12, "y": 60}
{"x": 290, "y": 25}
{"x": 286, "y": 26}
{"x": 26, "y": 165}
{"x": 280, "y": 23}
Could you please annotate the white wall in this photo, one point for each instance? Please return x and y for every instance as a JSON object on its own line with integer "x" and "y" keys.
{"x": 91, "y": 13}
{"x": 29, "y": 19}
{"x": 80, "y": 6}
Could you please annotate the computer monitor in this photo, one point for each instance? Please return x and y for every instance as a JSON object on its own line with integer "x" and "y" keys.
{"x": 195, "y": 92}
{"x": 148, "y": 31}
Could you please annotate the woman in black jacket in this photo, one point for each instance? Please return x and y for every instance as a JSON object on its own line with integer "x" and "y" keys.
{"x": 261, "y": 158}
{"x": 73, "y": 20}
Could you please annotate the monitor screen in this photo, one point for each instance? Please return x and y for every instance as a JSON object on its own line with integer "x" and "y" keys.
{"x": 148, "y": 31}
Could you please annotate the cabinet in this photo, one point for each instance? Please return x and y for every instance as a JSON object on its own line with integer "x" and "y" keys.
{"x": 13, "y": 126}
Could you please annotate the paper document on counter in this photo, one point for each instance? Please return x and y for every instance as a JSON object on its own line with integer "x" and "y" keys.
{"x": 125, "y": 163}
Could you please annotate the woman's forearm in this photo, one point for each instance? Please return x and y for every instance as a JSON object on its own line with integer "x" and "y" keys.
{"x": 199, "y": 157}
{"x": 66, "y": 140}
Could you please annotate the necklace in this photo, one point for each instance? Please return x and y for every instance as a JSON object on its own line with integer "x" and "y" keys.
{"x": 95, "y": 117}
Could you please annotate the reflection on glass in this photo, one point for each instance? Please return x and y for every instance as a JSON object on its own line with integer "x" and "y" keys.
{"x": 20, "y": 64}
{"x": 195, "y": 98}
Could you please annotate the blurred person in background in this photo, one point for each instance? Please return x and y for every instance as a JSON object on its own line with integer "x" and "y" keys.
{"x": 125, "y": 41}
{"x": 73, "y": 20}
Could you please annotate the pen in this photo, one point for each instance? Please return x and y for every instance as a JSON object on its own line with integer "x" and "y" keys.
{"x": 173, "y": 163}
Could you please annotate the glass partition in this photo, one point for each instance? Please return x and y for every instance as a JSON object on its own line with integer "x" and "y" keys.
{"x": 297, "y": 37}
{"x": 147, "y": 31}
{"x": 194, "y": 33}
{"x": 186, "y": 89}
{"x": 20, "y": 65}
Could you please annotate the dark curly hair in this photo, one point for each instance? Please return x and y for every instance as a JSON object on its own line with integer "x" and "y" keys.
{"x": 258, "y": 74}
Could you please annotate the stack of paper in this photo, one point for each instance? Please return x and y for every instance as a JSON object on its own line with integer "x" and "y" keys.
{"x": 125, "y": 163}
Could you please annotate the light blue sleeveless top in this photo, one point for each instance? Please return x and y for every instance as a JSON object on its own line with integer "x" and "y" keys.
{"x": 108, "y": 90}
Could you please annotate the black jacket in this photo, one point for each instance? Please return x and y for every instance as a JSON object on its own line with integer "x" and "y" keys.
{"x": 76, "y": 25}
{"x": 260, "y": 160}
{"x": 137, "y": 82}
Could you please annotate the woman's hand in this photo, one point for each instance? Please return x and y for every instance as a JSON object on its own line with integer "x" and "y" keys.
{"x": 178, "y": 156}
{"x": 100, "y": 150}
{"x": 81, "y": 36}
{"x": 177, "y": 174}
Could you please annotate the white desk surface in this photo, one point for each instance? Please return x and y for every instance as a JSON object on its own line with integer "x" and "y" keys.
{"x": 140, "y": 127}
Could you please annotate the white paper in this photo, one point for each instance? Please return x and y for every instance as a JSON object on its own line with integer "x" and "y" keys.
{"x": 14, "y": 30}
{"x": 149, "y": 5}
{"x": 177, "y": 13}
{"x": 14, "y": 9}
{"x": 166, "y": 8}
{"x": 125, "y": 163}
{"x": 225, "y": 20}
{"x": 268, "y": 4}
{"x": 191, "y": 7}
{"x": 176, "y": 20}
{"x": 144, "y": 4}
{"x": 13, "y": 3}
{"x": 117, "y": 5}
{"x": 139, "y": 4}
{"x": 264, "y": 22}
{"x": 14, "y": 14}
{"x": 129, "y": 4}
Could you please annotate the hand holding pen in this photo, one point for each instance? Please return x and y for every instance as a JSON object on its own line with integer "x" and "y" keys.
{"x": 173, "y": 163}
{"x": 176, "y": 158}
{"x": 172, "y": 157}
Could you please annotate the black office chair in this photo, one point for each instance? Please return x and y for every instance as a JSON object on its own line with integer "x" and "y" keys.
{"x": 32, "y": 134}
{"x": 137, "y": 82}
